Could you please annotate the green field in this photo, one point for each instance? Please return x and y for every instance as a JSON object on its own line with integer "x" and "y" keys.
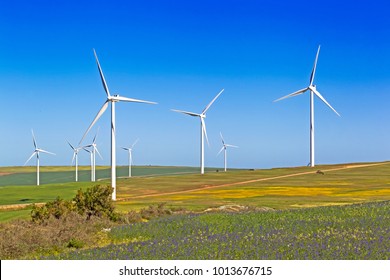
{"x": 341, "y": 184}
{"x": 16, "y": 176}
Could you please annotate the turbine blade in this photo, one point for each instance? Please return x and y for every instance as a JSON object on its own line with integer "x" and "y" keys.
{"x": 323, "y": 99}
{"x": 187, "y": 113}
{"x": 46, "y": 152}
{"x": 71, "y": 146}
{"x": 74, "y": 156}
{"x": 29, "y": 158}
{"x": 126, "y": 99}
{"x": 86, "y": 150}
{"x": 220, "y": 151}
{"x": 34, "y": 141}
{"x": 232, "y": 146}
{"x": 223, "y": 142}
{"x": 204, "y": 130}
{"x": 101, "y": 75}
{"x": 313, "y": 72}
{"x": 99, "y": 114}
{"x": 212, "y": 101}
{"x": 292, "y": 94}
{"x": 134, "y": 143}
{"x": 96, "y": 149}
{"x": 94, "y": 138}
{"x": 124, "y": 148}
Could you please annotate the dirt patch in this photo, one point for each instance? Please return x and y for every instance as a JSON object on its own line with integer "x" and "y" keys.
{"x": 18, "y": 206}
{"x": 237, "y": 209}
{"x": 5, "y": 173}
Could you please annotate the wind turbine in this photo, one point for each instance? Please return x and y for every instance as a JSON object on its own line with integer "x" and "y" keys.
{"x": 203, "y": 132}
{"x": 130, "y": 149}
{"x": 94, "y": 150}
{"x": 111, "y": 99}
{"x": 91, "y": 158}
{"x": 224, "y": 148}
{"x": 36, "y": 152}
{"x": 313, "y": 91}
{"x": 75, "y": 157}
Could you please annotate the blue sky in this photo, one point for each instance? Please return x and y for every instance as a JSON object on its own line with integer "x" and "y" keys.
{"x": 181, "y": 54}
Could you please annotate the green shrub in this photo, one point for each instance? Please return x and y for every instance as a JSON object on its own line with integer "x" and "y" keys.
{"x": 95, "y": 201}
{"x": 75, "y": 243}
{"x": 57, "y": 209}
{"x": 39, "y": 213}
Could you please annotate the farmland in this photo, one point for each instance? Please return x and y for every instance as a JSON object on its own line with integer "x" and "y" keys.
{"x": 282, "y": 213}
{"x": 280, "y": 188}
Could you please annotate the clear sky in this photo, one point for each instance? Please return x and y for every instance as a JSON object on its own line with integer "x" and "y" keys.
{"x": 181, "y": 54}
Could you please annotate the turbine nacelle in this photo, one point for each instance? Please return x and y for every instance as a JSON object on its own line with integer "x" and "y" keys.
{"x": 312, "y": 87}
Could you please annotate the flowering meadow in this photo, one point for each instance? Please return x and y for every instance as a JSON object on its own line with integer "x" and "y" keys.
{"x": 359, "y": 231}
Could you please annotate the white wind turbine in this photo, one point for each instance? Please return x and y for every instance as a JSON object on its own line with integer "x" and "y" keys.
{"x": 111, "y": 99}
{"x": 130, "y": 149}
{"x": 224, "y": 148}
{"x": 203, "y": 132}
{"x": 75, "y": 157}
{"x": 91, "y": 159}
{"x": 36, "y": 152}
{"x": 93, "y": 152}
{"x": 313, "y": 91}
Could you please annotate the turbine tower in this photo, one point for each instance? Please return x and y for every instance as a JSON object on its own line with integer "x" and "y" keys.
{"x": 313, "y": 91}
{"x": 36, "y": 152}
{"x": 111, "y": 99}
{"x": 130, "y": 149}
{"x": 224, "y": 148}
{"x": 75, "y": 157}
{"x": 203, "y": 132}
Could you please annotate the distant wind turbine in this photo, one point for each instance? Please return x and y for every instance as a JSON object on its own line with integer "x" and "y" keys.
{"x": 94, "y": 150}
{"x": 91, "y": 159}
{"x": 36, "y": 152}
{"x": 130, "y": 149}
{"x": 313, "y": 91}
{"x": 111, "y": 99}
{"x": 203, "y": 132}
{"x": 75, "y": 157}
{"x": 224, "y": 148}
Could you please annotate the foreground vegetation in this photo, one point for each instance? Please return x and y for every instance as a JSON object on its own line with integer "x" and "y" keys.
{"x": 62, "y": 225}
{"x": 359, "y": 232}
